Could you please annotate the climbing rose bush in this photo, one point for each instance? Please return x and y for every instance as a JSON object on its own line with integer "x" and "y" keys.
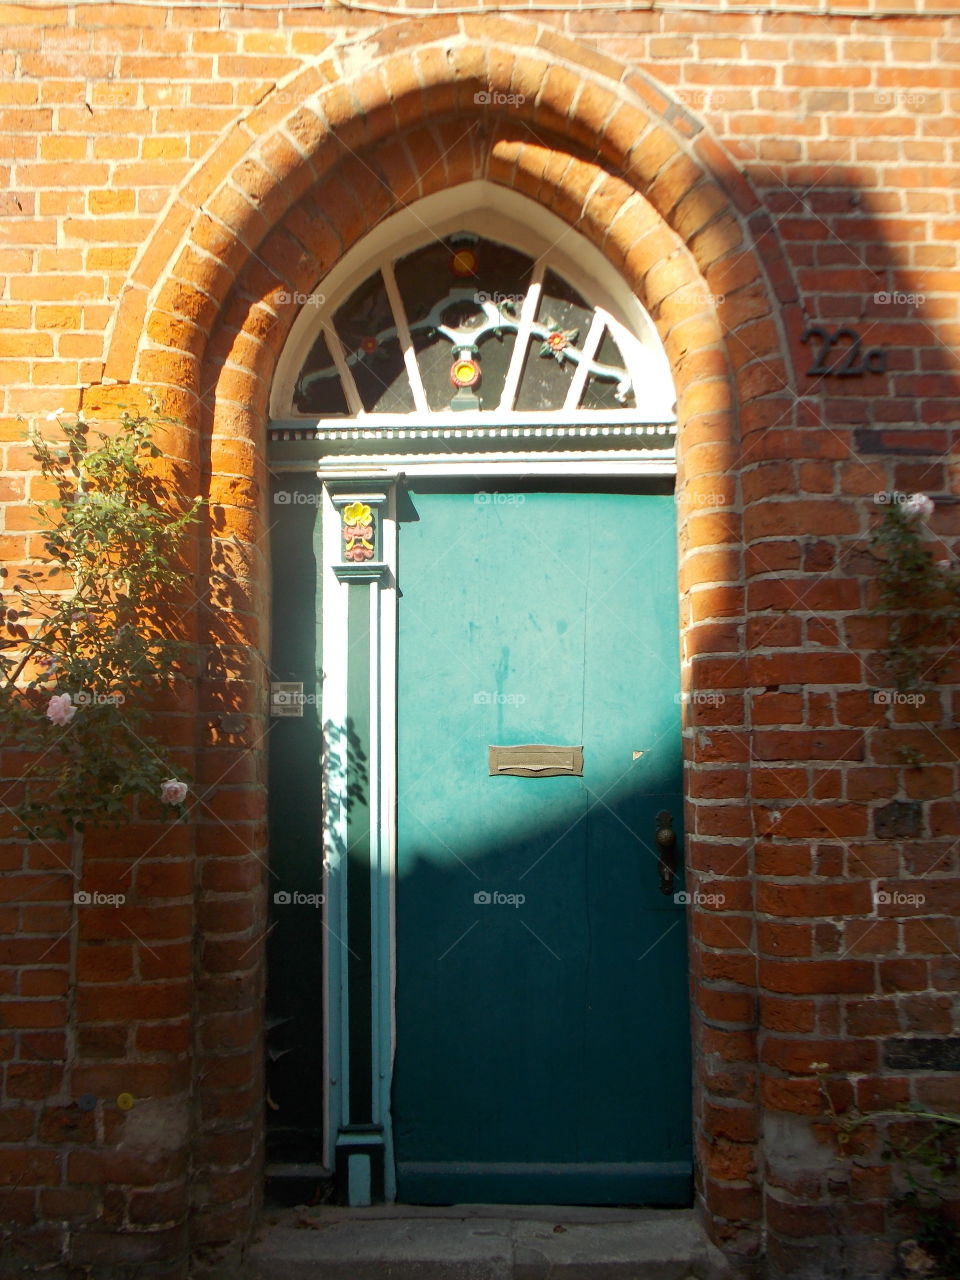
{"x": 85, "y": 649}
{"x": 918, "y": 592}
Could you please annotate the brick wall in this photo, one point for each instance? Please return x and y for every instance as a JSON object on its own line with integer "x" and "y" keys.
{"x": 169, "y": 173}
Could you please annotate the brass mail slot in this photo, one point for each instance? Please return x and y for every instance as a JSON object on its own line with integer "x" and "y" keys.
{"x": 535, "y": 760}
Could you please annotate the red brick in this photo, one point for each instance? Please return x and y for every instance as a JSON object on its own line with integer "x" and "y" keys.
{"x": 729, "y": 1161}
{"x": 779, "y": 623}
{"x": 111, "y": 963}
{"x": 782, "y": 744}
{"x": 841, "y": 899}
{"x": 16, "y": 1125}
{"x": 108, "y": 1003}
{"x": 778, "y": 939}
{"x": 33, "y": 1013}
{"x": 99, "y": 1167}
{"x": 67, "y": 1124}
{"x": 795, "y": 1056}
{"x": 787, "y": 1015}
{"x": 35, "y": 1168}
{"x": 722, "y": 1006}
{"x": 815, "y": 977}
{"x": 802, "y": 1221}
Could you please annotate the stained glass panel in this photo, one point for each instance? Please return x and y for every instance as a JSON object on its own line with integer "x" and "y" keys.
{"x": 366, "y": 328}
{"x": 434, "y": 358}
{"x": 462, "y": 299}
{"x": 319, "y": 389}
{"x": 562, "y": 320}
{"x": 608, "y": 392}
{"x": 495, "y": 356}
{"x": 451, "y": 290}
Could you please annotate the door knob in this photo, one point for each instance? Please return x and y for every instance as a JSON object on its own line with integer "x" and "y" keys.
{"x": 666, "y": 839}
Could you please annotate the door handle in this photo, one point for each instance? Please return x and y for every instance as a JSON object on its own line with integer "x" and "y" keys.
{"x": 666, "y": 839}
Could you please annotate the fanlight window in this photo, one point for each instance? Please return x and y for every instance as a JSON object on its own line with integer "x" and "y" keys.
{"x": 467, "y": 324}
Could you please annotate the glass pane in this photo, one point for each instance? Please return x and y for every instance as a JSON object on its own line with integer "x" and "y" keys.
{"x": 372, "y": 349}
{"x": 457, "y": 283}
{"x": 435, "y": 357}
{"x": 601, "y": 392}
{"x": 544, "y": 382}
{"x": 562, "y": 321}
{"x": 495, "y": 356}
{"x": 318, "y": 388}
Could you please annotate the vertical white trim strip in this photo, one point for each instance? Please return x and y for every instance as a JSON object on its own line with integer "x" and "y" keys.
{"x": 354, "y": 403}
{"x": 330, "y": 1007}
{"x": 528, "y": 313}
{"x": 377, "y": 951}
{"x": 590, "y": 348}
{"x": 333, "y": 727}
{"x": 403, "y": 333}
{"x": 388, "y": 837}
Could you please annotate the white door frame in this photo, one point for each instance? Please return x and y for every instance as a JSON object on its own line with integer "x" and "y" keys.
{"x": 366, "y": 457}
{"x": 381, "y": 482}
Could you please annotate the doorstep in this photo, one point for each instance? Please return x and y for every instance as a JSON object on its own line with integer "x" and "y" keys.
{"x": 483, "y": 1242}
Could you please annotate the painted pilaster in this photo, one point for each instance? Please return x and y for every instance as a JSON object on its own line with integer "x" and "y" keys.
{"x": 359, "y": 692}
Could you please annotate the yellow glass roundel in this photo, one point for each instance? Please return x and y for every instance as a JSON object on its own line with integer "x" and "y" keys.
{"x": 465, "y": 373}
{"x": 464, "y": 262}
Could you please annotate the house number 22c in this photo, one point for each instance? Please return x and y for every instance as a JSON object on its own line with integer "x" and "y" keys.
{"x": 852, "y": 364}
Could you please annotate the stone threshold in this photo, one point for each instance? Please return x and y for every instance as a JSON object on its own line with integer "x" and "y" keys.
{"x": 483, "y": 1242}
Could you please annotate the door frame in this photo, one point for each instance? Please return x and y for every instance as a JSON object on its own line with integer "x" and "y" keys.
{"x": 362, "y": 1154}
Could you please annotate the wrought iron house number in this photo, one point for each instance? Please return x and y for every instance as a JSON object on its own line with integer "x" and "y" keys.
{"x": 852, "y": 364}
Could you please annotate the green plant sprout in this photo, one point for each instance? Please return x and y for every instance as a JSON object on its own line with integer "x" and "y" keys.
{"x": 920, "y": 594}
{"x": 929, "y": 1166}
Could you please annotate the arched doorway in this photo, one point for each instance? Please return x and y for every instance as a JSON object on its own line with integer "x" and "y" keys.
{"x": 472, "y": 432}
{"x": 203, "y": 322}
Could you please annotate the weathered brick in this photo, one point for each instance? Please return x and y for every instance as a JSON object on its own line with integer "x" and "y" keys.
{"x": 149, "y": 230}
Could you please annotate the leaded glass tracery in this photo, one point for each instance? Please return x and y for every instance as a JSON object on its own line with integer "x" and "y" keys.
{"x": 464, "y": 323}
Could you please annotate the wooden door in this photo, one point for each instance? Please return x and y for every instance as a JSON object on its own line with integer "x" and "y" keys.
{"x": 542, "y": 996}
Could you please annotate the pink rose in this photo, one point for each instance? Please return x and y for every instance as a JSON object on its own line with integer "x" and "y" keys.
{"x": 173, "y": 792}
{"x": 60, "y": 709}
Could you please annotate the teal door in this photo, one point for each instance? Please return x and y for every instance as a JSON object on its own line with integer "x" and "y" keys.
{"x": 542, "y": 1050}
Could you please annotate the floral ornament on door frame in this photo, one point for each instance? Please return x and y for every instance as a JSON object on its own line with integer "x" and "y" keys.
{"x": 557, "y": 341}
{"x": 357, "y": 531}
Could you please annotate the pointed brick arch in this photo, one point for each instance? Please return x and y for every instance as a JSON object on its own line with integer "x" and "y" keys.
{"x": 418, "y": 72}
{"x": 298, "y": 182}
